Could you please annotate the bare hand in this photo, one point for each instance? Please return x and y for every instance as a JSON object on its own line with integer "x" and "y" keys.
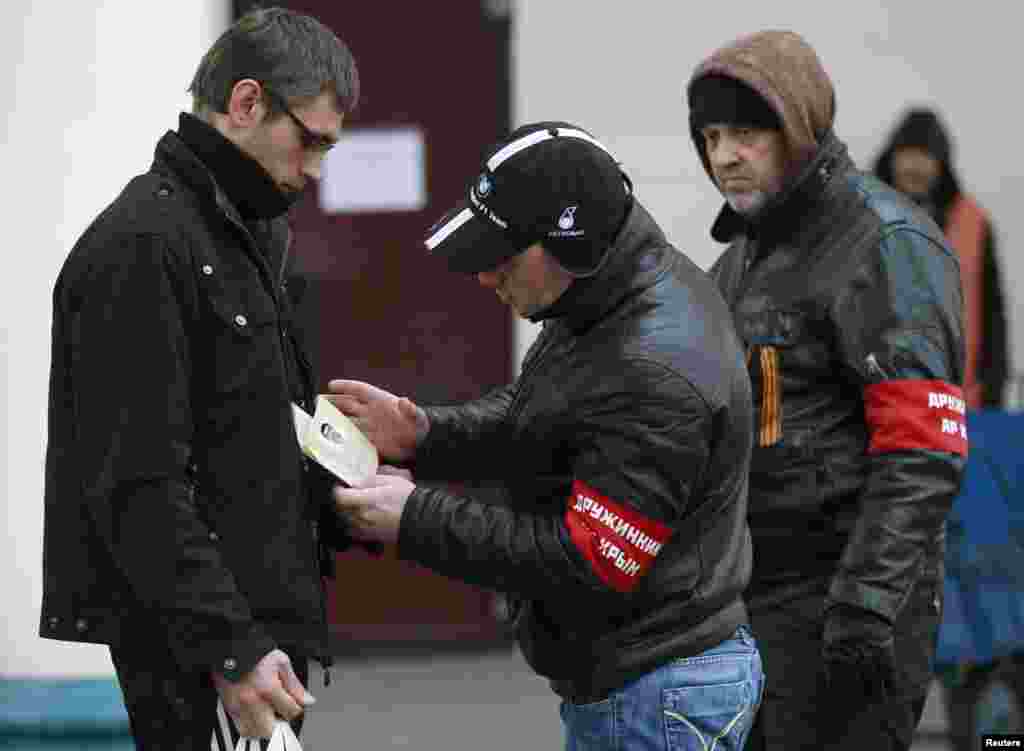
{"x": 392, "y": 423}
{"x": 268, "y": 691}
{"x": 374, "y": 512}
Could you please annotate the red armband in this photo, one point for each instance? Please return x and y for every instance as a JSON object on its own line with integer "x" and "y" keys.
{"x": 619, "y": 542}
{"x": 908, "y": 414}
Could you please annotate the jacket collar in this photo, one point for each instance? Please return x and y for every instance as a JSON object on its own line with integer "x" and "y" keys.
{"x": 784, "y": 214}
{"x": 637, "y": 259}
{"x": 172, "y": 153}
{"x": 216, "y": 168}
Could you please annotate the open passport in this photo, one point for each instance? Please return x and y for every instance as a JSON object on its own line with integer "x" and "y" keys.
{"x": 334, "y": 442}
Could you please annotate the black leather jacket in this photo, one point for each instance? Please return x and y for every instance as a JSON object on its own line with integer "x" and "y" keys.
{"x": 848, "y": 299}
{"x": 635, "y": 399}
{"x": 178, "y": 505}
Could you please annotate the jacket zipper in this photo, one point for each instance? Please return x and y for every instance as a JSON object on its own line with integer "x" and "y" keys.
{"x": 873, "y": 368}
{"x": 770, "y": 424}
{"x": 535, "y": 362}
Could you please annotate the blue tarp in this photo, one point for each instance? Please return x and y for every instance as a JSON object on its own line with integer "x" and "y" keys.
{"x": 984, "y": 588}
{"x": 63, "y": 714}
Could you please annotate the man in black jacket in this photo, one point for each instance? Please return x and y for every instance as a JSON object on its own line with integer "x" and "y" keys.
{"x": 182, "y": 527}
{"x": 621, "y": 450}
{"x": 848, "y": 300}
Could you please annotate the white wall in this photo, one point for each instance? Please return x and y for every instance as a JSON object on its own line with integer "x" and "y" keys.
{"x": 90, "y": 87}
{"x": 619, "y": 69}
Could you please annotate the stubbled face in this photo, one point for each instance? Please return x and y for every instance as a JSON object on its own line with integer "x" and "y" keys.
{"x": 748, "y": 164}
{"x": 289, "y": 154}
{"x": 914, "y": 171}
{"x": 528, "y": 282}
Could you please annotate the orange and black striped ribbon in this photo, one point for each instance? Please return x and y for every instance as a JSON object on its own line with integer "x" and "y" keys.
{"x": 771, "y": 398}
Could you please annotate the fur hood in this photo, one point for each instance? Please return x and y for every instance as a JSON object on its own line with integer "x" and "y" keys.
{"x": 786, "y": 72}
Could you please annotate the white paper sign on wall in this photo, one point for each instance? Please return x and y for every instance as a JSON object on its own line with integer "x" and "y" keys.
{"x": 375, "y": 169}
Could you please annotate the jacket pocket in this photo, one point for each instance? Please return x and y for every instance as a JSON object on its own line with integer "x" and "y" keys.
{"x": 791, "y": 472}
{"x": 244, "y": 348}
{"x": 788, "y": 497}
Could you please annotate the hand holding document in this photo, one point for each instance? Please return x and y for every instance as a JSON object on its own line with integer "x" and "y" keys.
{"x": 374, "y": 511}
{"x": 394, "y": 424}
{"x": 335, "y": 442}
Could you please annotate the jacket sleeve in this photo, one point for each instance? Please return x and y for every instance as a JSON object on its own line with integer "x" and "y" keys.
{"x": 639, "y": 446}
{"x": 900, "y": 333}
{"x": 130, "y": 377}
{"x": 465, "y": 440}
{"x": 468, "y": 441}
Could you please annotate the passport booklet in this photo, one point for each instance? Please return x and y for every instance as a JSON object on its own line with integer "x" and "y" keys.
{"x": 334, "y": 442}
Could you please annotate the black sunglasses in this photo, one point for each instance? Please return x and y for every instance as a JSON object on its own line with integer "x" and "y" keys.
{"x": 311, "y": 141}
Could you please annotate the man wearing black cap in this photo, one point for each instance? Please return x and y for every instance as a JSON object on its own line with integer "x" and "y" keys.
{"x": 621, "y": 451}
{"x": 847, "y": 298}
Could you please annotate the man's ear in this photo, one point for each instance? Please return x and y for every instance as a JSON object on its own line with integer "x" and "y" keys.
{"x": 247, "y": 103}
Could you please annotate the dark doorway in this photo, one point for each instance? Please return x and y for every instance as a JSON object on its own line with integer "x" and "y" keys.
{"x": 386, "y": 312}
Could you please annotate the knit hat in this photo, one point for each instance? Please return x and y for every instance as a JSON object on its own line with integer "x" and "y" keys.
{"x": 715, "y": 98}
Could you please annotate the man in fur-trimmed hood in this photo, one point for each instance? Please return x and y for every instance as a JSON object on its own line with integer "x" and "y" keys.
{"x": 847, "y": 299}
{"x": 772, "y": 80}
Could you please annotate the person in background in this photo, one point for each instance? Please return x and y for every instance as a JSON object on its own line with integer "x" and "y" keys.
{"x": 622, "y": 452}
{"x": 918, "y": 160}
{"x": 847, "y": 298}
{"x": 182, "y": 527}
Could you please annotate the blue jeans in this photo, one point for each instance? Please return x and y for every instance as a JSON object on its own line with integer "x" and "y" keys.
{"x": 701, "y": 703}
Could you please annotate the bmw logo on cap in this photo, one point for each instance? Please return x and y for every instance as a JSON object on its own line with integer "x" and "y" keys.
{"x": 484, "y": 185}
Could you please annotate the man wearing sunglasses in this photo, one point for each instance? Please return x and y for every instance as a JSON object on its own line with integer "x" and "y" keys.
{"x": 182, "y": 526}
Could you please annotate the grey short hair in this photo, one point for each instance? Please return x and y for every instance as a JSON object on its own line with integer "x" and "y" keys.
{"x": 293, "y": 55}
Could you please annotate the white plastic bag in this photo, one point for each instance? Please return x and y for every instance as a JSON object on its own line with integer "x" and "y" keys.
{"x": 226, "y": 737}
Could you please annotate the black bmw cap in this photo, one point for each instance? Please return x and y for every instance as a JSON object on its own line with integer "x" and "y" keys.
{"x": 548, "y": 182}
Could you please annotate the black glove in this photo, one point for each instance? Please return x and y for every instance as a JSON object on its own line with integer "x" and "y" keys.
{"x": 858, "y": 655}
